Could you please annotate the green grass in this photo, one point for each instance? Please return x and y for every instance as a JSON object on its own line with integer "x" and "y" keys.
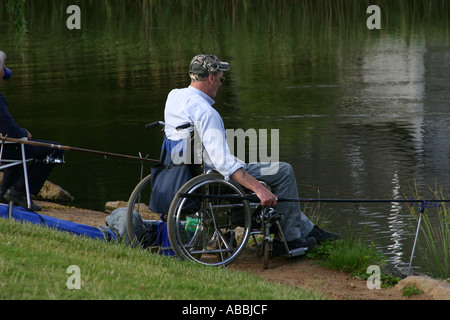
{"x": 34, "y": 262}
{"x": 435, "y": 244}
{"x": 353, "y": 256}
{"x": 434, "y": 236}
{"x": 350, "y": 255}
{"x": 410, "y": 291}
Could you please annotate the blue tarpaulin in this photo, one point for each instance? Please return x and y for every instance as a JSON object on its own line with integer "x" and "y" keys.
{"x": 23, "y": 215}
{"x": 157, "y": 229}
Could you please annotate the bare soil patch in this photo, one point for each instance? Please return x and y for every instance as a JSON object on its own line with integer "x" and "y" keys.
{"x": 308, "y": 273}
{"x": 298, "y": 271}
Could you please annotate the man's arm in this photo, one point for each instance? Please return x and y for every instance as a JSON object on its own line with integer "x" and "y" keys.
{"x": 7, "y": 124}
{"x": 268, "y": 199}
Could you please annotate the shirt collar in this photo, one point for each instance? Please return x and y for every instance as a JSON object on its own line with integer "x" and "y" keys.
{"x": 202, "y": 94}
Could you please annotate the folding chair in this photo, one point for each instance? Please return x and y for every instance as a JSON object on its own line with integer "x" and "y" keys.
{"x": 6, "y": 163}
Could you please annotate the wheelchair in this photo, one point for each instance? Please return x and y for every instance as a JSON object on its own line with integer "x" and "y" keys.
{"x": 211, "y": 220}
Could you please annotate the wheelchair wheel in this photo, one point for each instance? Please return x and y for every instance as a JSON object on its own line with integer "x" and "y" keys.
{"x": 209, "y": 230}
{"x": 140, "y": 194}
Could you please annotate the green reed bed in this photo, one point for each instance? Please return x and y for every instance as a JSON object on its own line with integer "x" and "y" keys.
{"x": 434, "y": 238}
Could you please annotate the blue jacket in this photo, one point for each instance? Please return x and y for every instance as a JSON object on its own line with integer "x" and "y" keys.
{"x": 7, "y": 124}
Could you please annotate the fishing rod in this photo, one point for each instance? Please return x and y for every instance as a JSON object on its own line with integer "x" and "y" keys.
{"x": 69, "y": 148}
{"x": 422, "y": 203}
{"x": 322, "y": 189}
{"x": 428, "y": 202}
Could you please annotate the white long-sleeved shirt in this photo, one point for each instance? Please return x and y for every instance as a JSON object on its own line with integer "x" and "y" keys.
{"x": 190, "y": 105}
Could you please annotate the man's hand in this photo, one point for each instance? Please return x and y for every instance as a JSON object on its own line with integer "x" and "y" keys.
{"x": 268, "y": 199}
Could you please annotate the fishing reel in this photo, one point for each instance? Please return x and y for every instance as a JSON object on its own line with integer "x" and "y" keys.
{"x": 54, "y": 160}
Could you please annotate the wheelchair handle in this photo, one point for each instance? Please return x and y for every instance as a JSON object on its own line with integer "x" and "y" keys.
{"x": 184, "y": 126}
{"x": 154, "y": 124}
{"x": 157, "y": 123}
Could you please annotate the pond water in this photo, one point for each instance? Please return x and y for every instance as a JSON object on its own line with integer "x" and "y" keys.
{"x": 361, "y": 113}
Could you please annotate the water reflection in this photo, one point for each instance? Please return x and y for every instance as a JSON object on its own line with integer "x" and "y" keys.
{"x": 396, "y": 223}
{"x": 382, "y": 133}
{"x": 392, "y": 84}
{"x": 364, "y": 113}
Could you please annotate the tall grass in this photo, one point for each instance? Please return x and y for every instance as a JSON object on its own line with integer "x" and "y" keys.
{"x": 34, "y": 264}
{"x": 351, "y": 255}
{"x": 434, "y": 238}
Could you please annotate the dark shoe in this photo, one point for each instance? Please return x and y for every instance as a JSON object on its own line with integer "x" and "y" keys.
{"x": 278, "y": 246}
{"x": 322, "y": 235}
{"x": 2, "y": 192}
{"x": 307, "y": 242}
{"x": 20, "y": 199}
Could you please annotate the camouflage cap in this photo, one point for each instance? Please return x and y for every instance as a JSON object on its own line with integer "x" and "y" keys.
{"x": 204, "y": 64}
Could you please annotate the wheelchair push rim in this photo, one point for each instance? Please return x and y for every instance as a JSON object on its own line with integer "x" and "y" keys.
{"x": 209, "y": 231}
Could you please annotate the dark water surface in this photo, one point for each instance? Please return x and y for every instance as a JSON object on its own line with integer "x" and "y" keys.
{"x": 361, "y": 113}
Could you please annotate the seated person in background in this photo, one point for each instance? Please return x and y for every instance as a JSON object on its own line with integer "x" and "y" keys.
{"x": 13, "y": 183}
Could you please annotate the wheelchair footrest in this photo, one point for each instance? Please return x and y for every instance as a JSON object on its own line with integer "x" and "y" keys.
{"x": 295, "y": 252}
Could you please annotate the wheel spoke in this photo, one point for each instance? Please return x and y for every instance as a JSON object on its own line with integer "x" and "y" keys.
{"x": 212, "y": 240}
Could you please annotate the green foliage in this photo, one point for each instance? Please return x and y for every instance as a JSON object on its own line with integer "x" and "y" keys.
{"x": 17, "y": 9}
{"x": 353, "y": 256}
{"x": 434, "y": 237}
{"x": 411, "y": 290}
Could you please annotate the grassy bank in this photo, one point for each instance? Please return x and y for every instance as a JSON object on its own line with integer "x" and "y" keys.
{"x": 34, "y": 264}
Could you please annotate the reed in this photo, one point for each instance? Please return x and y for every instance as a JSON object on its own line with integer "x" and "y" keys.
{"x": 264, "y": 15}
{"x": 17, "y": 9}
{"x": 434, "y": 239}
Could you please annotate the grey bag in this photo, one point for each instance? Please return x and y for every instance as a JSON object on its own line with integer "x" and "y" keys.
{"x": 117, "y": 223}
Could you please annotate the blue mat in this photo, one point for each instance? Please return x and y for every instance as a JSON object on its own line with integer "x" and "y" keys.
{"x": 22, "y": 215}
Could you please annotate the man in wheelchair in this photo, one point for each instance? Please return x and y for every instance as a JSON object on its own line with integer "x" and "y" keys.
{"x": 194, "y": 105}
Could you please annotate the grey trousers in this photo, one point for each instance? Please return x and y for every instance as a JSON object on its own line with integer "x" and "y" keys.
{"x": 281, "y": 179}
